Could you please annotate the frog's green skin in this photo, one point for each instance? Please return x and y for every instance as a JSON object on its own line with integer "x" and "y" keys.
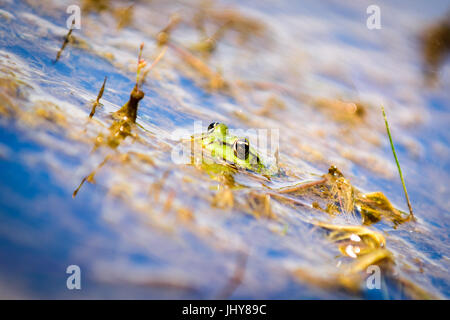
{"x": 221, "y": 147}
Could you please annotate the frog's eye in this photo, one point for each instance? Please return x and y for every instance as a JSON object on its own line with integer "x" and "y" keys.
{"x": 212, "y": 126}
{"x": 241, "y": 149}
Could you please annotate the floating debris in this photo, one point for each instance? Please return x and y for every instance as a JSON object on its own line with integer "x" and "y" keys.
{"x": 124, "y": 16}
{"x": 91, "y": 176}
{"x": 157, "y": 186}
{"x": 375, "y": 206}
{"x": 259, "y": 205}
{"x": 97, "y": 101}
{"x": 128, "y": 112}
{"x": 237, "y": 277}
{"x": 436, "y": 47}
{"x": 67, "y": 39}
{"x": 158, "y": 58}
{"x": 271, "y": 107}
{"x": 346, "y": 231}
{"x": 215, "y": 79}
{"x": 338, "y": 110}
{"x": 301, "y": 186}
{"x": 244, "y": 26}
{"x": 224, "y": 198}
{"x": 209, "y": 44}
{"x": 163, "y": 36}
{"x": 95, "y": 5}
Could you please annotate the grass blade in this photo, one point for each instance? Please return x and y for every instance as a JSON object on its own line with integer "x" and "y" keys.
{"x": 398, "y": 164}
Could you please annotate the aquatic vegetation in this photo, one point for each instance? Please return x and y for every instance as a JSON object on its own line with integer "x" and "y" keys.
{"x": 215, "y": 79}
{"x": 375, "y": 206}
{"x": 127, "y": 114}
{"x": 124, "y": 119}
{"x": 124, "y": 16}
{"x": 163, "y": 36}
{"x": 90, "y": 177}
{"x": 97, "y": 101}
{"x": 436, "y": 47}
{"x": 398, "y": 164}
{"x": 259, "y": 205}
{"x": 95, "y": 5}
{"x": 155, "y": 62}
{"x": 271, "y": 106}
{"x": 67, "y": 39}
{"x": 364, "y": 239}
{"x": 223, "y": 198}
{"x": 209, "y": 43}
{"x": 350, "y": 112}
{"x": 9, "y": 87}
{"x": 237, "y": 277}
{"x": 230, "y": 19}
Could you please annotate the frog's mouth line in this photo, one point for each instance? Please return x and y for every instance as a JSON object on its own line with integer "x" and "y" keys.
{"x": 232, "y": 165}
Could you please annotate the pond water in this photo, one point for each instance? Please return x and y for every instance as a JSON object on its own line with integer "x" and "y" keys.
{"x": 143, "y": 226}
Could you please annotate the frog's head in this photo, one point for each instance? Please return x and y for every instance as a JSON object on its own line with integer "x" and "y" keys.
{"x": 217, "y": 129}
{"x": 235, "y": 151}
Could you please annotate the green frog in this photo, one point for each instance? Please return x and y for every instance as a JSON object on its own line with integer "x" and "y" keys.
{"x": 234, "y": 151}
